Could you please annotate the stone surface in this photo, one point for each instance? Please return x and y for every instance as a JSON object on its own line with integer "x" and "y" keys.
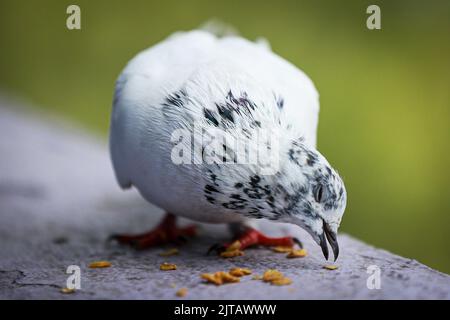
{"x": 59, "y": 201}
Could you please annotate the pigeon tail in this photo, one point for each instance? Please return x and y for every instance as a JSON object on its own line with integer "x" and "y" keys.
{"x": 219, "y": 28}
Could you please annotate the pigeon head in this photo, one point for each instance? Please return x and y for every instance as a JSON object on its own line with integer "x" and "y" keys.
{"x": 305, "y": 190}
{"x": 320, "y": 196}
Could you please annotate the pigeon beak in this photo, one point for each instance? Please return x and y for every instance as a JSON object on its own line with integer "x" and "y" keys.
{"x": 331, "y": 236}
{"x": 324, "y": 245}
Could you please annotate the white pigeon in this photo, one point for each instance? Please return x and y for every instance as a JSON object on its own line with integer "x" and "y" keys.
{"x": 232, "y": 88}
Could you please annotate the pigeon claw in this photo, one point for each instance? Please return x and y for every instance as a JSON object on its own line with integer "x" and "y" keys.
{"x": 252, "y": 237}
{"x": 165, "y": 232}
{"x": 217, "y": 247}
{"x": 298, "y": 242}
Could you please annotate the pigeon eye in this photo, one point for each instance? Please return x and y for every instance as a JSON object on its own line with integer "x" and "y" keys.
{"x": 319, "y": 193}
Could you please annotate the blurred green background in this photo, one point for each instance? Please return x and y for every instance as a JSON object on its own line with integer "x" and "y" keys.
{"x": 385, "y": 98}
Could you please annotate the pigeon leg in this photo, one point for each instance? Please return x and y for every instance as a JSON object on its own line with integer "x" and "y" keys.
{"x": 252, "y": 237}
{"x": 165, "y": 232}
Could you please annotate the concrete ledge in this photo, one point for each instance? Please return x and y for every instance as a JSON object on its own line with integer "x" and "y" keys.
{"x": 59, "y": 202}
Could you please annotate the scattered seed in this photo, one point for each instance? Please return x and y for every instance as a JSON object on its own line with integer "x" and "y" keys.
{"x": 231, "y": 254}
{"x": 275, "y": 277}
{"x": 213, "y": 278}
{"x": 239, "y": 272}
{"x": 182, "y": 292}
{"x": 67, "y": 290}
{"x": 233, "y": 250}
{"x": 330, "y": 267}
{"x": 170, "y": 252}
{"x": 220, "y": 277}
{"x": 100, "y": 264}
{"x": 271, "y": 275}
{"x": 173, "y": 285}
{"x": 168, "y": 266}
{"x": 297, "y": 253}
{"x": 281, "y": 282}
{"x": 257, "y": 277}
{"x": 227, "y": 277}
{"x": 282, "y": 249}
{"x": 236, "y": 245}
